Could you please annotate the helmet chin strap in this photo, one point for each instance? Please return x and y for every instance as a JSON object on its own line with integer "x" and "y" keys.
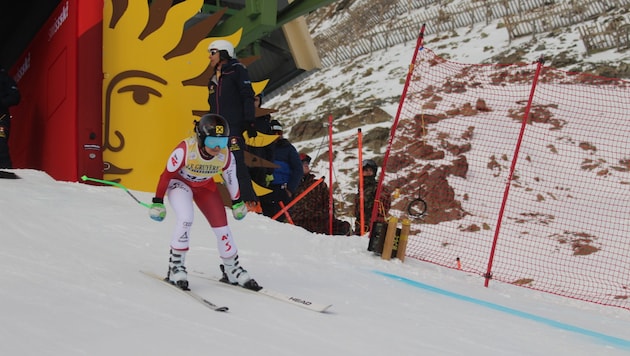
{"x": 204, "y": 154}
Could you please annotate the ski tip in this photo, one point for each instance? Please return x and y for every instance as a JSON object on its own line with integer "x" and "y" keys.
{"x": 8, "y": 175}
{"x": 325, "y": 309}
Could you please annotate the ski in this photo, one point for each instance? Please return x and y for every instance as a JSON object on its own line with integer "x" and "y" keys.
{"x": 8, "y": 175}
{"x": 190, "y": 293}
{"x": 300, "y": 302}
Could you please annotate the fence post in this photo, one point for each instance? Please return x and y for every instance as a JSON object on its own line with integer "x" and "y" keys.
{"x": 402, "y": 240}
{"x": 389, "y": 238}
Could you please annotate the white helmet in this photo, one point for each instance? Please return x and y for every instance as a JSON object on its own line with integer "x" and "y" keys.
{"x": 222, "y": 45}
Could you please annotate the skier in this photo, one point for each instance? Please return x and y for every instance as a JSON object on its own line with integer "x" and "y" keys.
{"x": 188, "y": 177}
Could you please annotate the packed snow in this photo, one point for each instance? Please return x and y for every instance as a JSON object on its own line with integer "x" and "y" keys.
{"x": 72, "y": 255}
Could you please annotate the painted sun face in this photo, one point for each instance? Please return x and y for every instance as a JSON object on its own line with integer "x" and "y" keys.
{"x": 154, "y": 86}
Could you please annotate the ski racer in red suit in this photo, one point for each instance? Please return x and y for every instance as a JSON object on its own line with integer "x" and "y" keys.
{"x": 188, "y": 177}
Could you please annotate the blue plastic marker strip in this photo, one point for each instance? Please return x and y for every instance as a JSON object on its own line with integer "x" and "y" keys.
{"x": 611, "y": 340}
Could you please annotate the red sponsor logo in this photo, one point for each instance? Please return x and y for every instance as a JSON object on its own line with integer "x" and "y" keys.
{"x": 226, "y": 240}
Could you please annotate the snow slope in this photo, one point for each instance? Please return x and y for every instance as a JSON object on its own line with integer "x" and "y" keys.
{"x": 71, "y": 285}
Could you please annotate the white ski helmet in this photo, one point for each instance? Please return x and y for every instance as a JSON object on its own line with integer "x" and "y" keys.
{"x": 222, "y": 45}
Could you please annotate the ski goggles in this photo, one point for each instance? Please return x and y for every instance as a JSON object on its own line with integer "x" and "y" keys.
{"x": 214, "y": 141}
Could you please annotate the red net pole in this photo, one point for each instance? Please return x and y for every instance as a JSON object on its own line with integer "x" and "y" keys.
{"x": 361, "y": 216}
{"x": 286, "y": 213}
{"x": 330, "y": 176}
{"x": 379, "y": 188}
{"x": 508, "y": 182}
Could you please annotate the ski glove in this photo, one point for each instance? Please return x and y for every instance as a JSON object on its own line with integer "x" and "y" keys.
{"x": 157, "y": 211}
{"x": 268, "y": 179}
{"x": 239, "y": 209}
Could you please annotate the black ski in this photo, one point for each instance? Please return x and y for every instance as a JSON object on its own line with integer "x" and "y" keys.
{"x": 190, "y": 293}
{"x": 8, "y": 175}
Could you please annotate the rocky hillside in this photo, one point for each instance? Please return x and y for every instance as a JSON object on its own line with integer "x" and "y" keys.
{"x": 363, "y": 92}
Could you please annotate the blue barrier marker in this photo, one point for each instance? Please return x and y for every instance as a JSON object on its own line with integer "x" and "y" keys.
{"x": 611, "y": 340}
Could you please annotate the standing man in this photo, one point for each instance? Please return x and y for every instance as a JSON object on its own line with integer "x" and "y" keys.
{"x": 9, "y": 96}
{"x": 230, "y": 95}
{"x": 369, "y": 195}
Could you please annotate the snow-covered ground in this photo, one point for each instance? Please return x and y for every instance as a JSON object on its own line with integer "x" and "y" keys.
{"x": 71, "y": 285}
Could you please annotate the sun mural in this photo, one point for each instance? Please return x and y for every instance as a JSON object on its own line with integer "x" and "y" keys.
{"x": 155, "y": 75}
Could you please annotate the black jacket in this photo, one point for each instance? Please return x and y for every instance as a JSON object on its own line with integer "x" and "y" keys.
{"x": 231, "y": 96}
{"x": 9, "y": 93}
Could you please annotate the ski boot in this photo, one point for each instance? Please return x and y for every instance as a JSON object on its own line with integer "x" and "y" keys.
{"x": 176, "y": 270}
{"x": 234, "y": 274}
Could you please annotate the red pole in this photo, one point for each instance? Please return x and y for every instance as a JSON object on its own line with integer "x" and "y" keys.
{"x": 361, "y": 216}
{"x": 297, "y": 198}
{"x": 379, "y": 188}
{"x": 508, "y": 182}
{"x": 331, "y": 206}
{"x": 286, "y": 213}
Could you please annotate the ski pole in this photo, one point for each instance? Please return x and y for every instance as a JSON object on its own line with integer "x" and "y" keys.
{"x": 115, "y": 184}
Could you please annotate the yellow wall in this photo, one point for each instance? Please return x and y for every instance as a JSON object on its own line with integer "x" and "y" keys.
{"x": 154, "y": 83}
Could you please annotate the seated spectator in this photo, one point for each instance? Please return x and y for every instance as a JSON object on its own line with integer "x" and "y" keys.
{"x": 311, "y": 211}
{"x": 286, "y": 177}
